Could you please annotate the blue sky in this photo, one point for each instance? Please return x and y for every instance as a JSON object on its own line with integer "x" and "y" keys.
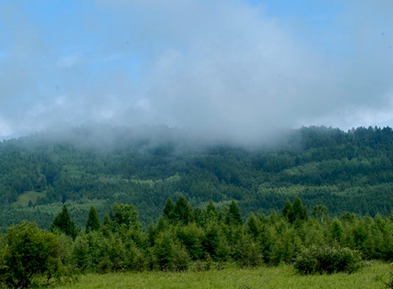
{"x": 234, "y": 68}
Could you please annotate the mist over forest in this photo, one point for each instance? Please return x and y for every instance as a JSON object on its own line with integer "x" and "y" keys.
{"x": 194, "y": 135}
{"x": 274, "y": 65}
{"x": 144, "y": 166}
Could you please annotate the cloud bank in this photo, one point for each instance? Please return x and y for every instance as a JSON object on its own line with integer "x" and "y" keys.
{"x": 225, "y": 68}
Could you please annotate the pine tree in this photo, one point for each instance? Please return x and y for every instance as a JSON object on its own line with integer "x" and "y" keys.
{"x": 234, "y": 217}
{"x": 294, "y": 212}
{"x": 252, "y": 227}
{"x": 93, "y": 222}
{"x": 215, "y": 243}
{"x": 169, "y": 211}
{"x": 211, "y": 212}
{"x": 287, "y": 211}
{"x": 336, "y": 230}
{"x": 64, "y": 224}
{"x": 299, "y": 211}
{"x": 184, "y": 211}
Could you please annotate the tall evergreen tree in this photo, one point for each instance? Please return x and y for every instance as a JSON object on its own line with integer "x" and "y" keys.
{"x": 336, "y": 230}
{"x": 64, "y": 224}
{"x": 211, "y": 211}
{"x": 93, "y": 223}
{"x": 287, "y": 211}
{"x": 169, "y": 210}
{"x": 234, "y": 217}
{"x": 184, "y": 211}
{"x": 252, "y": 227}
{"x": 299, "y": 210}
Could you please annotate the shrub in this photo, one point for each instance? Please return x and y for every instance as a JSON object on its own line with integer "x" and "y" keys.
{"x": 29, "y": 253}
{"x": 328, "y": 260}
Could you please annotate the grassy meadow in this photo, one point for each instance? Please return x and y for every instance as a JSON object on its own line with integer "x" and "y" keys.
{"x": 372, "y": 275}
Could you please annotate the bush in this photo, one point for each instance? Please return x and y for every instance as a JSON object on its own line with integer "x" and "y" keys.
{"x": 328, "y": 260}
{"x": 29, "y": 253}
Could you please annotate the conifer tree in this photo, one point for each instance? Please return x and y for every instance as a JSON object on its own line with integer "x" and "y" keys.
{"x": 234, "y": 216}
{"x": 299, "y": 210}
{"x": 294, "y": 212}
{"x": 252, "y": 227}
{"x": 64, "y": 224}
{"x": 215, "y": 243}
{"x": 184, "y": 211}
{"x": 287, "y": 211}
{"x": 93, "y": 222}
{"x": 211, "y": 211}
{"x": 169, "y": 210}
{"x": 336, "y": 230}
{"x": 200, "y": 216}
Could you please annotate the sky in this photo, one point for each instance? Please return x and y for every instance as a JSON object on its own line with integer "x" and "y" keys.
{"x": 237, "y": 69}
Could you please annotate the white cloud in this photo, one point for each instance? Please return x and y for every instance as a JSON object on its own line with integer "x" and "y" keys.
{"x": 221, "y": 66}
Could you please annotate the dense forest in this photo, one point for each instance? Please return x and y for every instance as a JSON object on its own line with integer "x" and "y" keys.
{"x": 344, "y": 171}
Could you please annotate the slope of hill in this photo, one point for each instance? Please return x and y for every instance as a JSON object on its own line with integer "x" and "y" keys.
{"x": 345, "y": 171}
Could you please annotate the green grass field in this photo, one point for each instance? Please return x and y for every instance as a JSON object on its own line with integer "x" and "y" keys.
{"x": 371, "y": 276}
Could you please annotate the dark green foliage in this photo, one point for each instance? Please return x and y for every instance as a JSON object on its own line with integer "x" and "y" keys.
{"x": 169, "y": 255}
{"x": 211, "y": 212}
{"x": 299, "y": 211}
{"x": 30, "y": 252}
{"x": 334, "y": 244}
{"x": 183, "y": 211}
{"x": 343, "y": 171}
{"x": 327, "y": 260}
{"x": 234, "y": 217}
{"x": 294, "y": 212}
{"x": 135, "y": 259}
{"x": 81, "y": 255}
{"x": 215, "y": 243}
{"x": 93, "y": 223}
{"x": 191, "y": 237}
{"x": 64, "y": 224}
{"x": 337, "y": 231}
{"x": 248, "y": 254}
{"x": 252, "y": 227}
{"x": 320, "y": 212}
{"x": 124, "y": 215}
{"x": 169, "y": 211}
{"x": 287, "y": 211}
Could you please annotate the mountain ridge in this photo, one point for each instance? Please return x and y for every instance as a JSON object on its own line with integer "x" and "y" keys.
{"x": 345, "y": 171}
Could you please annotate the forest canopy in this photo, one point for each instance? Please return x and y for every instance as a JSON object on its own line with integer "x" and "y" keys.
{"x": 343, "y": 171}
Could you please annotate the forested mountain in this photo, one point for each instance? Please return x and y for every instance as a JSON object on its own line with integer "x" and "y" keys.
{"x": 345, "y": 171}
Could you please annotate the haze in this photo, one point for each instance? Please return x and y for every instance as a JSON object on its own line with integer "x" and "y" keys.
{"x": 234, "y": 69}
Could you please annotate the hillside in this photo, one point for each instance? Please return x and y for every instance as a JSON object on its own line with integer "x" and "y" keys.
{"x": 345, "y": 171}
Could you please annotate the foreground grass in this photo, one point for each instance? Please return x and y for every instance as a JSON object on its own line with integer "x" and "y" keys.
{"x": 371, "y": 276}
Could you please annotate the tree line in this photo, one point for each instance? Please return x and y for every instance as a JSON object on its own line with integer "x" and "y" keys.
{"x": 193, "y": 238}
